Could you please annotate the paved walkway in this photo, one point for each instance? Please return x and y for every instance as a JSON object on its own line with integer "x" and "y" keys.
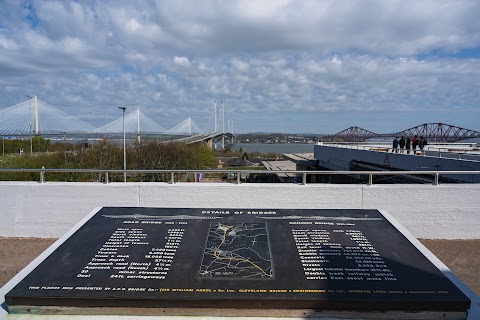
{"x": 461, "y": 256}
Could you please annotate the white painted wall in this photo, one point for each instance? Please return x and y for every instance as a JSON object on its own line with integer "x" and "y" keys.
{"x": 31, "y": 209}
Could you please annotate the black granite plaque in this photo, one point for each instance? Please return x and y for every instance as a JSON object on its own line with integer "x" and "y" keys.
{"x": 238, "y": 258}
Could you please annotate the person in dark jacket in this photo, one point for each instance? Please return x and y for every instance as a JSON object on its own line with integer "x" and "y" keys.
{"x": 422, "y": 143}
{"x": 395, "y": 145}
{"x": 402, "y": 144}
{"x": 407, "y": 145}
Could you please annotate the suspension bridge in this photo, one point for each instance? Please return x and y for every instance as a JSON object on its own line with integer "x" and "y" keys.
{"x": 35, "y": 117}
{"x": 433, "y": 132}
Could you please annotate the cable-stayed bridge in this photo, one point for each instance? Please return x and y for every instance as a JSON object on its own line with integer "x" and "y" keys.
{"x": 136, "y": 122}
{"x": 208, "y": 138}
{"x": 36, "y": 117}
{"x": 186, "y": 128}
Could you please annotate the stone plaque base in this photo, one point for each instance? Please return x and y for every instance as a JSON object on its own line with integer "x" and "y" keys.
{"x": 244, "y": 312}
{"x": 239, "y": 262}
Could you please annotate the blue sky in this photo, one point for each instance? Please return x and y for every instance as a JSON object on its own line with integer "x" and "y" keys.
{"x": 279, "y": 66}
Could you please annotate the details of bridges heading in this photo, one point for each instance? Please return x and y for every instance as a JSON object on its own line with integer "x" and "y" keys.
{"x": 235, "y": 258}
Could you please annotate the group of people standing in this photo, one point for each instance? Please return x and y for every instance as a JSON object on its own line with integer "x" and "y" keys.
{"x": 405, "y": 144}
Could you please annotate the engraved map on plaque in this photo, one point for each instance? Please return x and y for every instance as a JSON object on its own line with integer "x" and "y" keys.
{"x": 237, "y": 250}
{"x": 238, "y": 258}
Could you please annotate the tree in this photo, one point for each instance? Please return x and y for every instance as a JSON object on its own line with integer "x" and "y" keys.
{"x": 106, "y": 155}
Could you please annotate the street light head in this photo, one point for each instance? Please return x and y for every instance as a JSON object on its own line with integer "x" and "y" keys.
{"x": 123, "y": 108}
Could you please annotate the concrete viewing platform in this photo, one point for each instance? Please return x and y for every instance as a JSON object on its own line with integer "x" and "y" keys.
{"x": 459, "y": 151}
{"x": 351, "y": 157}
{"x": 284, "y": 166}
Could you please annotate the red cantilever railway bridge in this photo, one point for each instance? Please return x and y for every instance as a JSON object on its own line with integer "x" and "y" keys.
{"x": 434, "y": 132}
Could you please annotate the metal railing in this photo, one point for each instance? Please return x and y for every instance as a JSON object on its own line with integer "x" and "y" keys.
{"x": 302, "y": 173}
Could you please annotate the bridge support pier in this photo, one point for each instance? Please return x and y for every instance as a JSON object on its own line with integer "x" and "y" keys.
{"x": 209, "y": 144}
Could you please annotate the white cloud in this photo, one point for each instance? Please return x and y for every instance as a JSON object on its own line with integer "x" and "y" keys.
{"x": 267, "y": 57}
{"x": 379, "y": 27}
{"x": 132, "y": 25}
{"x": 7, "y": 43}
{"x": 336, "y": 60}
{"x": 182, "y": 61}
{"x": 136, "y": 57}
{"x": 202, "y": 67}
{"x": 240, "y": 65}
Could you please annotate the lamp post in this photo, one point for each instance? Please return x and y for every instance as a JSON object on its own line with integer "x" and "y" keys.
{"x": 91, "y": 128}
{"x": 31, "y": 142}
{"x": 30, "y": 130}
{"x": 124, "y": 147}
{"x": 3, "y": 143}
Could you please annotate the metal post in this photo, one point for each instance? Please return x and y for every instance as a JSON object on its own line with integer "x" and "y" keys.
{"x": 42, "y": 175}
{"x": 223, "y": 126}
{"x": 124, "y": 147}
{"x": 106, "y": 177}
{"x": 3, "y": 145}
{"x": 30, "y": 128}
{"x": 35, "y": 110}
{"x": 91, "y": 129}
{"x": 370, "y": 179}
{"x": 124, "y": 151}
{"x": 215, "y": 112}
{"x": 238, "y": 177}
{"x": 172, "y": 178}
{"x": 31, "y": 142}
{"x": 437, "y": 178}
{"x": 304, "y": 178}
{"x": 138, "y": 126}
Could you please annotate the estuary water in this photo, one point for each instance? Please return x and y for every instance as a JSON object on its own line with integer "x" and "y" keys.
{"x": 275, "y": 147}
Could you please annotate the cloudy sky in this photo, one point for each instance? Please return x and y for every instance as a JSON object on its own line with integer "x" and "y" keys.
{"x": 279, "y": 66}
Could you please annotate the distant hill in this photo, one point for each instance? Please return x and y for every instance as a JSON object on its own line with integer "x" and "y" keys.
{"x": 262, "y": 137}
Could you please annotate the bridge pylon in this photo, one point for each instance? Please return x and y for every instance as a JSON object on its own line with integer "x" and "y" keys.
{"x": 219, "y": 125}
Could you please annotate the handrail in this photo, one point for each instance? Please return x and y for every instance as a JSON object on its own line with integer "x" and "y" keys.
{"x": 303, "y": 173}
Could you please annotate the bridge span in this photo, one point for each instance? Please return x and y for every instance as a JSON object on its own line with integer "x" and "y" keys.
{"x": 210, "y": 139}
{"x": 433, "y": 132}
